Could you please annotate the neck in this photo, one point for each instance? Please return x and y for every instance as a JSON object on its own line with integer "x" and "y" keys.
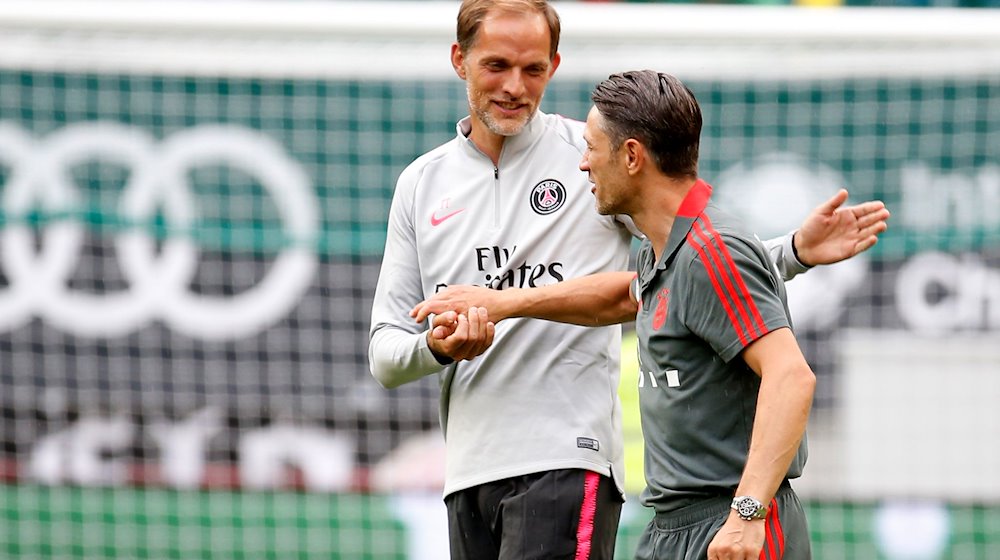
{"x": 488, "y": 142}
{"x": 656, "y": 218}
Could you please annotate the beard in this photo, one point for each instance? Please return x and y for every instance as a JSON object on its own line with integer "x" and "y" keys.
{"x": 606, "y": 208}
{"x": 480, "y": 105}
{"x": 610, "y": 201}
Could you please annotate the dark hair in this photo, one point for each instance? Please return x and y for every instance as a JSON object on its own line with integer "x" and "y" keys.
{"x": 656, "y": 109}
{"x": 472, "y": 13}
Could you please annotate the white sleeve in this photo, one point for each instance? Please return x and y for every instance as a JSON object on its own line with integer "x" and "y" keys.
{"x": 397, "y": 347}
{"x": 397, "y": 357}
{"x": 783, "y": 255}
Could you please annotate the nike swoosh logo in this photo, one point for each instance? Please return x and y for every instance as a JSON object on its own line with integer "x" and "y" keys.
{"x": 436, "y": 221}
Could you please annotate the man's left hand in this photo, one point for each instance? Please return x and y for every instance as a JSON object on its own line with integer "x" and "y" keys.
{"x": 831, "y": 234}
{"x": 738, "y": 540}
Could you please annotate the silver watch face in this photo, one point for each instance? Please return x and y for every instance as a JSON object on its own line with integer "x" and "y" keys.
{"x": 748, "y": 507}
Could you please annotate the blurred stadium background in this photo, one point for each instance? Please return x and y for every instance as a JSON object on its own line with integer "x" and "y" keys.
{"x": 194, "y": 198}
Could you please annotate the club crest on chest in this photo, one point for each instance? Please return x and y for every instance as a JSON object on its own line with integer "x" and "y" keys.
{"x": 547, "y": 197}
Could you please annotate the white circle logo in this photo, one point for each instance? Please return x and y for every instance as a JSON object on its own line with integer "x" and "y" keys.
{"x": 158, "y": 280}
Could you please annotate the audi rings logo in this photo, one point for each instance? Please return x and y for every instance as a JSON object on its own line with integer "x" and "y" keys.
{"x": 158, "y": 278}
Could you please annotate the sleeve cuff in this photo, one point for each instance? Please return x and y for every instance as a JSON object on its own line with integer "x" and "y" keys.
{"x": 439, "y": 358}
{"x": 782, "y": 253}
{"x": 794, "y": 260}
{"x": 400, "y": 357}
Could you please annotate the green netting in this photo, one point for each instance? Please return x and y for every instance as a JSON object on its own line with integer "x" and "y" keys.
{"x": 928, "y": 147}
{"x": 353, "y": 138}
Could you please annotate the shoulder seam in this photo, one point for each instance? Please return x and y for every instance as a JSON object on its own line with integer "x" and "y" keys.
{"x": 563, "y": 132}
{"x": 420, "y": 165}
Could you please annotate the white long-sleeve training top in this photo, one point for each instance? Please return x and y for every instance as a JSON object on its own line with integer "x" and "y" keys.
{"x": 544, "y": 396}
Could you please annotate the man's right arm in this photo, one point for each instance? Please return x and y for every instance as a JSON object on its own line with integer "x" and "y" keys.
{"x": 397, "y": 357}
{"x": 595, "y": 300}
{"x": 397, "y": 348}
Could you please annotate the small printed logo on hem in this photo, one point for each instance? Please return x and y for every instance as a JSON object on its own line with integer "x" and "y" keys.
{"x": 588, "y": 443}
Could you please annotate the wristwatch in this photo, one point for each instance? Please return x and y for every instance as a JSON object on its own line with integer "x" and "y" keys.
{"x": 749, "y": 508}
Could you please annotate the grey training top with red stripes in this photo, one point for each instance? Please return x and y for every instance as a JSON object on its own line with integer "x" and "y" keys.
{"x": 712, "y": 293}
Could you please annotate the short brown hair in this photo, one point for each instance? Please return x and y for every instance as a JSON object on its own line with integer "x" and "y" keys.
{"x": 472, "y": 13}
{"x": 656, "y": 109}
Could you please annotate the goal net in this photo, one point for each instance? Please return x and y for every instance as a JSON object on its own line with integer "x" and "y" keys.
{"x": 193, "y": 200}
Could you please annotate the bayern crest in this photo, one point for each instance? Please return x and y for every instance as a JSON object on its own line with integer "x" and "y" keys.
{"x": 548, "y": 196}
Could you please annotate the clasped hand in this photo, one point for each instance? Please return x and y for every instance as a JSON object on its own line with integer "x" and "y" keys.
{"x": 461, "y": 336}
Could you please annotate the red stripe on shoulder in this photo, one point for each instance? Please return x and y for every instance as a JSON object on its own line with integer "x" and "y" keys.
{"x": 717, "y": 267}
{"x": 758, "y": 321}
{"x": 719, "y": 289}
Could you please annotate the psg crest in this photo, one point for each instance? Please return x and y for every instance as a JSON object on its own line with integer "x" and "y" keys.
{"x": 548, "y": 196}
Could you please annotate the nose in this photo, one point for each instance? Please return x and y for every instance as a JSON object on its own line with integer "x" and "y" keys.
{"x": 584, "y": 163}
{"x": 514, "y": 84}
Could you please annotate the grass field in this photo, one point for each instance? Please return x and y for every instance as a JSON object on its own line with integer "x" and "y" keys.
{"x": 125, "y": 523}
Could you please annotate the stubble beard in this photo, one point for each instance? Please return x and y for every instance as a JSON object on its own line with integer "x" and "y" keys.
{"x": 605, "y": 209}
{"x": 606, "y": 206}
{"x": 482, "y": 112}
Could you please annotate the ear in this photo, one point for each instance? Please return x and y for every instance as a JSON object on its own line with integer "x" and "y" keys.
{"x": 555, "y": 64}
{"x": 635, "y": 155}
{"x": 458, "y": 60}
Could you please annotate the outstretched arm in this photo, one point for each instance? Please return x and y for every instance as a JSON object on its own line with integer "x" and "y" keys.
{"x": 594, "y": 300}
{"x": 831, "y": 233}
